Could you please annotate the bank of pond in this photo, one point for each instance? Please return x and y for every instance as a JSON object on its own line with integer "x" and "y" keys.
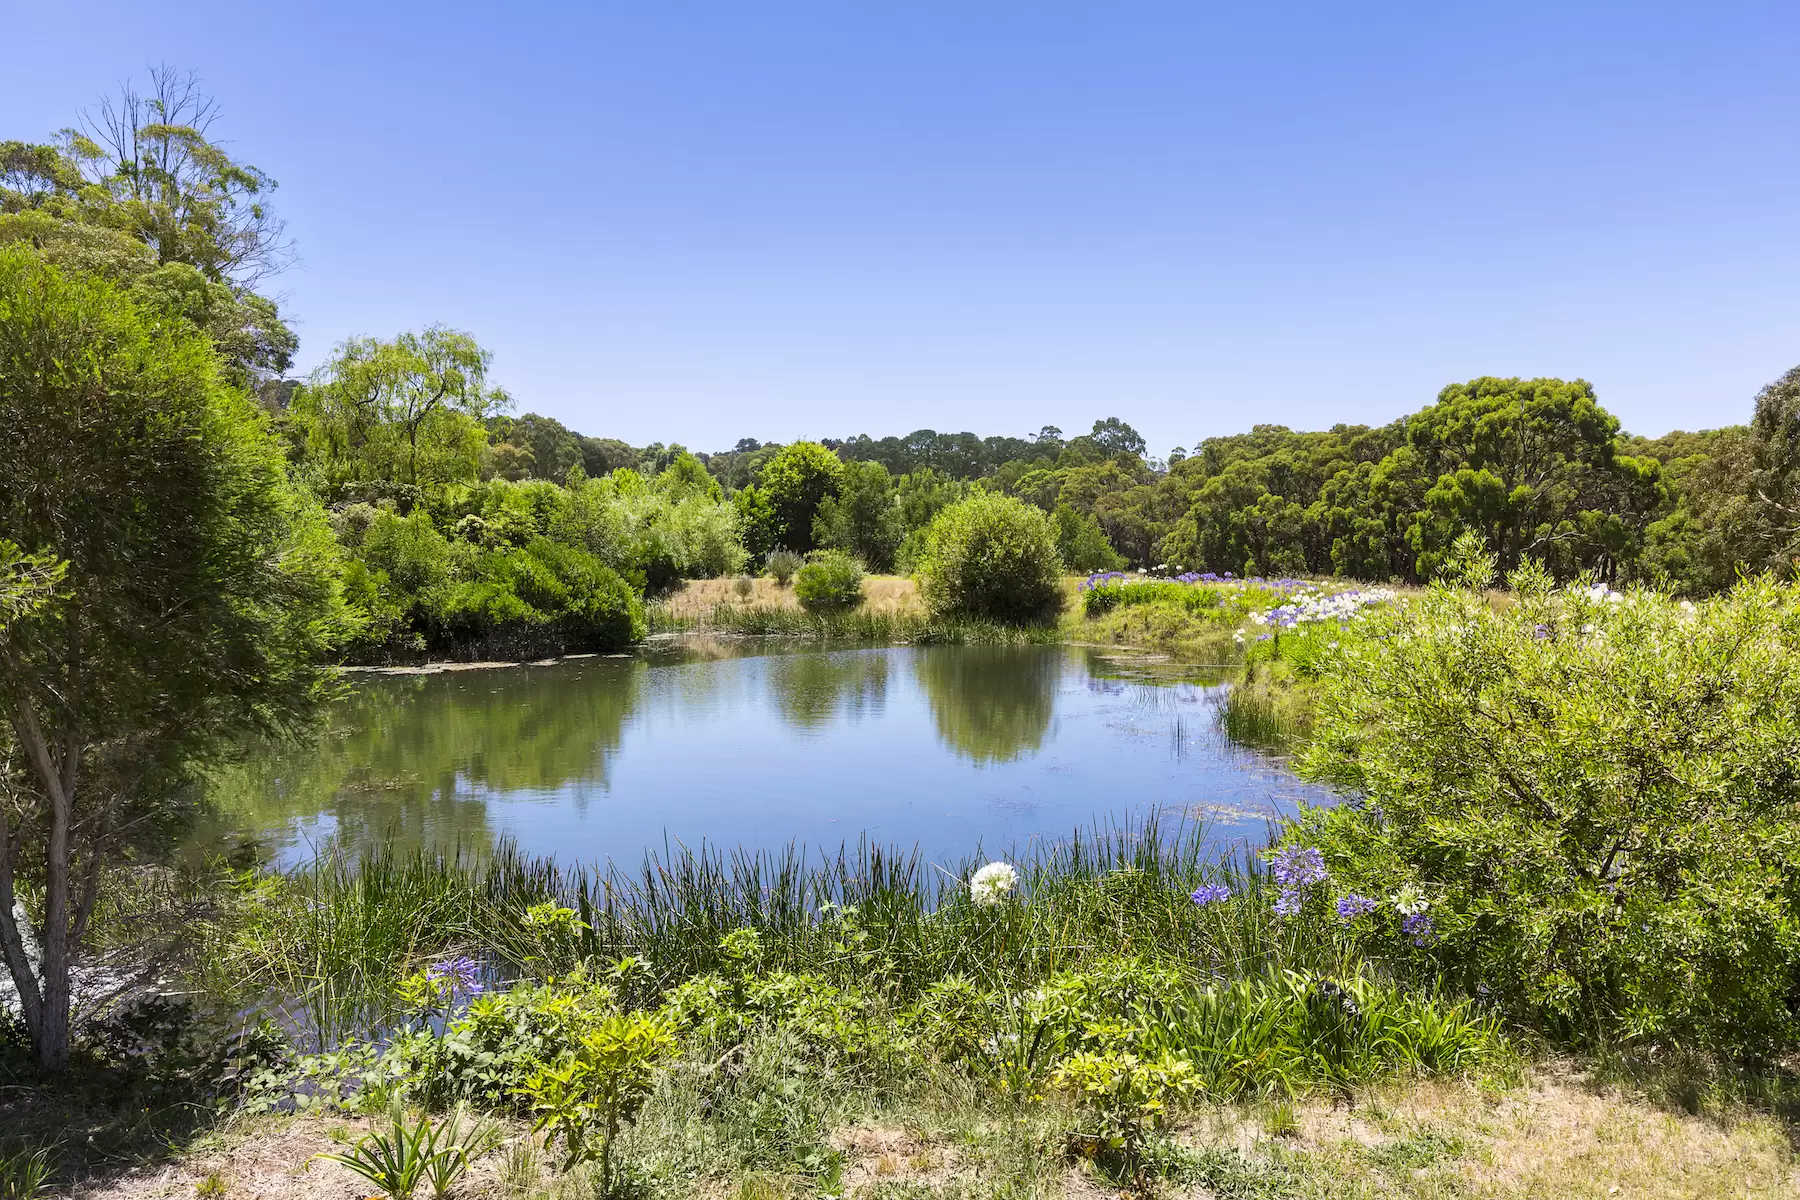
{"x": 1057, "y": 885}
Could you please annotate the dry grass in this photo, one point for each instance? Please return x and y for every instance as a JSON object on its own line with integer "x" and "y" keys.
{"x": 269, "y": 1157}
{"x": 1554, "y": 1134}
{"x": 696, "y": 598}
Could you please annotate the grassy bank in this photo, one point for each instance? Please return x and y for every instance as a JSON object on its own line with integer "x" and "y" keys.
{"x": 857, "y": 1024}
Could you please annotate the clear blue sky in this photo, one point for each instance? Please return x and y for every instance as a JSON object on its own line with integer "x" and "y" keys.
{"x": 699, "y": 222}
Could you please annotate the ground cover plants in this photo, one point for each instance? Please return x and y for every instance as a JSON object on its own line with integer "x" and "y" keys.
{"x": 1118, "y": 978}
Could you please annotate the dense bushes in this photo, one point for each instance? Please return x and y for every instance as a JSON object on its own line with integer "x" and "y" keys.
{"x": 831, "y": 580}
{"x": 424, "y": 591}
{"x": 992, "y": 556}
{"x": 1586, "y": 799}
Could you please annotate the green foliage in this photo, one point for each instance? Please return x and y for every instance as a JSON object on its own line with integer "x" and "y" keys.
{"x": 1125, "y": 1101}
{"x": 656, "y": 531}
{"x": 865, "y": 518}
{"x": 992, "y": 556}
{"x": 397, "y": 1159}
{"x": 831, "y": 580}
{"x": 425, "y": 591}
{"x": 1081, "y": 543}
{"x": 783, "y": 565}
{"x": 794, "y": 483}
{"x": 1590, "y": 794}
{"x": 24, "y": 1170}
{"x": 199, "y": 599}
{"x": 406, "y": 413}
{"x": 586, "y": 1097}
{"x": 488, "y": 1053}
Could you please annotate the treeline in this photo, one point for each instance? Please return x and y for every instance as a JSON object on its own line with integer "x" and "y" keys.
{"x": 462, "y": 520}
{"x": 1537, "y": 467}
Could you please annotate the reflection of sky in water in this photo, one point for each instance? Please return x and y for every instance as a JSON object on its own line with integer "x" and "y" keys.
{"x": 948, "y": 747}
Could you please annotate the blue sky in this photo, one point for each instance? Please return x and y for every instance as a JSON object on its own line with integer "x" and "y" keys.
{"x": 700, "y": 222}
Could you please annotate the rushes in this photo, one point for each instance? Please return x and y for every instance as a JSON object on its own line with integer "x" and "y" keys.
{"x": 339, "y": 934}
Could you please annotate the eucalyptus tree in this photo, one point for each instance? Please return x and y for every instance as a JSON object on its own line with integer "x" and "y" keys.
{"x": 167, "y": 590}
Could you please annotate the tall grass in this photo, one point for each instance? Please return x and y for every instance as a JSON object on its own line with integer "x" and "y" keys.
{"x": 330, "y": 940}
{"x": 854, "y": 625}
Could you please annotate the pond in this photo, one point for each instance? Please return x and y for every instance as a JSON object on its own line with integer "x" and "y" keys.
{"x": 949, "y": 748}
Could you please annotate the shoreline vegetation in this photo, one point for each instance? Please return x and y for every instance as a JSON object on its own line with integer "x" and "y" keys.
{"x": 1147, "y": 1015}
{"x": 1549, "y": 945}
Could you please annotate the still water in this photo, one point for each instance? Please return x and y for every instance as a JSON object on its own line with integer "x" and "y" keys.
{"x": 951, "y": 748}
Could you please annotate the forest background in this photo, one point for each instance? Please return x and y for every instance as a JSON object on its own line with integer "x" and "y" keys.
{"x": 462, "y": 518}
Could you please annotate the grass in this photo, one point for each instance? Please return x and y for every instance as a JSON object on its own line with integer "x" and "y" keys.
{"x": 860, "y": 625}
{"x": 1554, "y": 1132}
{"x": 337, "y": 933}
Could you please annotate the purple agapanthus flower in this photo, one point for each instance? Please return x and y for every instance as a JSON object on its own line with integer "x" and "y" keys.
{"x": 456, "y": 976}
{"x": 1351, "y": 906}
{"x": 1210, "y": 893}
{"x": 1418, "y": 927}
{"x": 1298, "y": 866}
{"x": 1288, "y": 903}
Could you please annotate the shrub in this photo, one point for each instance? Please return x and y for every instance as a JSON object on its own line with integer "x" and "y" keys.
{"x": 1124, "y": 1100}
{"x": 1583, "y": 802}
{"x": 992, "y": 556}
{"x": 783, "y": 564}
{"x": 832, "y": 580}
{"x": 586, "y": 1097}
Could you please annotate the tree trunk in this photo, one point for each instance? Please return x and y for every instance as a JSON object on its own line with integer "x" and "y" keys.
{"x": 50, "y": 1030}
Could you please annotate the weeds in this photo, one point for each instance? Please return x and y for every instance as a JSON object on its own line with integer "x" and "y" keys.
{"x": 24, "y": 1170}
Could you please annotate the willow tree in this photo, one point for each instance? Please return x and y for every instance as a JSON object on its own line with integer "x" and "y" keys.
{"x": 169, "y": 591}
{"x": 407, "y": 413}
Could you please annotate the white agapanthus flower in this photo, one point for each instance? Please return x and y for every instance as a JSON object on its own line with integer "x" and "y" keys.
{"x": 1408, "y": 902}
{"x": 993, "y": 884}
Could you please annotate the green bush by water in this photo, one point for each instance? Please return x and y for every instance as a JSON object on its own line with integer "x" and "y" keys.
{"x": 831, "y": 581}
{"x": 992, "y": 557}
{"x": 1588, "y": 796}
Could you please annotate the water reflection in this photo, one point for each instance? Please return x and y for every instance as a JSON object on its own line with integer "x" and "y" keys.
{"x": 813, "y": 691}
{"x": 992, "y": 704}
{"x": 411, "y": 758}
{"x": 946, "y": 747}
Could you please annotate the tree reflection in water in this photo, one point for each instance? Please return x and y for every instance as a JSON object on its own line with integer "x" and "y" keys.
{"x": 992, "y": 704}
{"x": 411, "y": 759}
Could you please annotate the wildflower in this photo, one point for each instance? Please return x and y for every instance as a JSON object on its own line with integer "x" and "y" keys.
{"x": 456, "y": 976}
{"x": 1409, "y": 901}
{"x": 993, "y": 884}
{"x": 1350, "y": 906}
{"x": 1298, "y": 866}
{"x": 1417, "y": 926}
{"x": 1289, "y": 901}
{"x": 1211, "y": 893}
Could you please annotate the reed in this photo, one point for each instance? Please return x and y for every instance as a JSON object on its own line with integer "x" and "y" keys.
{"x": 334, "y": 937}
